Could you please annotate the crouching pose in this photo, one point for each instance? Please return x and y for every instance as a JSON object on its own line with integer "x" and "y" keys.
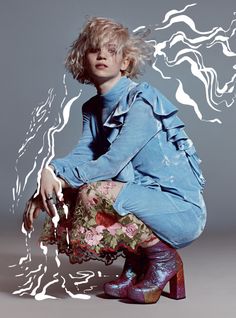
{"x": 132, "y": 185}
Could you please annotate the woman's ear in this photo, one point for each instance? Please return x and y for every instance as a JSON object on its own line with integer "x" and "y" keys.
{"x": 125, "y": 64}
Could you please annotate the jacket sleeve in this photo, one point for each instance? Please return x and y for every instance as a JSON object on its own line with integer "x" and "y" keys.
{"x": 64, "y": 167}
{"x": 139, "y": 127}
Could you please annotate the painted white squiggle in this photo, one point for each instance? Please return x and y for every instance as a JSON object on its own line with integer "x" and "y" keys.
{"x": 184, "y": 98}
{"x": 40, "y": 117}
{"x": 42, "y": 295}
{"x": 84, "y": 275}
{"x": 27, "y": 258}
{"x": 190, "y": 46}
{"x": 38, "y": 269}
{"x": 139, "y": 28}
{"x": 90, "y": 288}
{"x": 172, "y": 12}
{"x": 77, "y": 296}
{"x": 35, "y": 275}
{"x": 58, "y": 262}
{"x": 30, "y": 280}
{"x": 50, "y": 135}
{"x": 44, "y": 248}
{"x": 23, "y": 290}
{"x": 27, "y": 282}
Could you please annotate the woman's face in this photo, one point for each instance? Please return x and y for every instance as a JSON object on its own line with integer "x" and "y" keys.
{"x": 105, "y": 63}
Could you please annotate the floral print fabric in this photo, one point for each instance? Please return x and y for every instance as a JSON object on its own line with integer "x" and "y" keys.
{"x": 92, "y": 229}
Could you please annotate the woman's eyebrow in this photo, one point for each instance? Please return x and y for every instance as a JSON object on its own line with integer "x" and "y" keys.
{"x": 110, "y": 44}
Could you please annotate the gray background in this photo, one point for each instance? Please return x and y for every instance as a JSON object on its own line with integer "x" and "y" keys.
{"x": 35, "y": 36}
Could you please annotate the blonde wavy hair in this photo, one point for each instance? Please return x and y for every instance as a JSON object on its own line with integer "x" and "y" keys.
{"x": 98, "y": 32}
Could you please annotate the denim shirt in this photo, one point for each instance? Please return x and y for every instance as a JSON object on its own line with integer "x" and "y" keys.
{"x": 133, "y": 134}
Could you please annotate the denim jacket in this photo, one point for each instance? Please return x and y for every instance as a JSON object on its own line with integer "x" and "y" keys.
{"x": 133, "y": 134}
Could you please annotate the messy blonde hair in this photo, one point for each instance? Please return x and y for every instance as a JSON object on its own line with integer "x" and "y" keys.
{"x": 100, "y": 31}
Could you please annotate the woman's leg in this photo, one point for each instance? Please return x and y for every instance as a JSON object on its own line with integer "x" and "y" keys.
{"x": 92, "y": 194}
{"x": 95, "y": 227}
{"x": 107, "y": 191}
{"x": 163, "y": 263}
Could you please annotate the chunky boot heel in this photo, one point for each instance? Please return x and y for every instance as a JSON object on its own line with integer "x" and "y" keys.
{"x": 164, "y": 265}
{"x": 177, "y": 285}
{"x": 133, "y": 267}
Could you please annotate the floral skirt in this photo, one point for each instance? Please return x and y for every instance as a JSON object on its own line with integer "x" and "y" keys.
{"x": 90, "y": 228}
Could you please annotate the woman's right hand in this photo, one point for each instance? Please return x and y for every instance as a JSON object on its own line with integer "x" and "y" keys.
{"x": 50, "y": 189}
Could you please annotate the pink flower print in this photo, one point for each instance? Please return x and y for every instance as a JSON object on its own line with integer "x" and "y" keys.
{"x": 91, "y": 202}
{"x": 105, "y": 219}
{"x": 100, "y": 228}
{"x": 131, "y": 229}
{"x": 107, "y": 186}
{"x": 144, "y": 236}
{"x": 112, "y": 229}
{"x": 81, "y": 229}
{"x": 91, "y": 238}
{"x": 95, "y": 200}
{"x": 111, "y": 184}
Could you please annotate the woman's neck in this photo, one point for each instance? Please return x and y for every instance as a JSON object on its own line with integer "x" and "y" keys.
{"x": 106, "y": 85}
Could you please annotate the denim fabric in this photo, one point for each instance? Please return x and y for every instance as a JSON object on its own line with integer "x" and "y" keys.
{"x": 132, "y": 134}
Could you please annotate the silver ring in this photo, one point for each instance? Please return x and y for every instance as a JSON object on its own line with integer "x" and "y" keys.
{"x": 49, "y": 198}
{"x": 52, "y": 198}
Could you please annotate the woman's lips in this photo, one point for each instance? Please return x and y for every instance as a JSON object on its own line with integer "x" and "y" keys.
{"x": 101, "y": 66}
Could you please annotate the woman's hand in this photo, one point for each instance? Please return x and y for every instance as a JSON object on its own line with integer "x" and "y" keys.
{"x": 33, "y": 207}
{"x": 51, "y": 189}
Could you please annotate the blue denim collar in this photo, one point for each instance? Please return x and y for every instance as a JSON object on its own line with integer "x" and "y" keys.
{"x": 112, "y": 97}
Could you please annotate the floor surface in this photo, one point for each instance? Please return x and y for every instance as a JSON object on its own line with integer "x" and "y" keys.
{"x": 210, "y": 270}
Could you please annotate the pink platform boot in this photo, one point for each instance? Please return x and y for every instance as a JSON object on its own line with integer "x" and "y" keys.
{"x": 132, "y": 269}
{"x": 164, "y": 265}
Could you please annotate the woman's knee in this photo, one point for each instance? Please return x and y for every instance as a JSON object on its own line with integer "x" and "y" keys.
{"x": 182, "y": 228}
{"x": 107, "y": 189}
{"x": 86, "y": 193}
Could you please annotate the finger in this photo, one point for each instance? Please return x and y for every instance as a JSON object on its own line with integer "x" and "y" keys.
{"x": 58, "y": 191}
{"x": 25, "y": 221}
{"x": 45, "y": 204}
{"x": 30, "y": 216}
{"x": 51, "y": 207}
{"x": 36, "y": 213}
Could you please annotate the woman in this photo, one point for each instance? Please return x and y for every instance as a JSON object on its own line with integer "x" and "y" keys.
{"x": 132, "y": 185}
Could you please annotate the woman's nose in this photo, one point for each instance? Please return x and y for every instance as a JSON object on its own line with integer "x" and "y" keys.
{"x": 102, "y": 53}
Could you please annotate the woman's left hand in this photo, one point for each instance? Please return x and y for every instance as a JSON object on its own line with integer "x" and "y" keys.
{"x": 33, "y": 207}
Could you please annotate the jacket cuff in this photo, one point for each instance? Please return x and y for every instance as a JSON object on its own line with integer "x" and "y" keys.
{"x": 64, "y": 171}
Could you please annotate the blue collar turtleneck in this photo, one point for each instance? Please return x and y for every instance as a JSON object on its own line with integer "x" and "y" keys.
{"x": 107, "y": 102}
{"x": 112, "y": 97}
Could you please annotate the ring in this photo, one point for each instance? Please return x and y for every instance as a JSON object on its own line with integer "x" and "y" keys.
{"x": 49, "y": 198}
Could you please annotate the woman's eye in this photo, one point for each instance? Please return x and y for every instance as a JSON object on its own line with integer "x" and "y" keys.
{"x": 112, "y": 51}
{"x": 93, "y": 50}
